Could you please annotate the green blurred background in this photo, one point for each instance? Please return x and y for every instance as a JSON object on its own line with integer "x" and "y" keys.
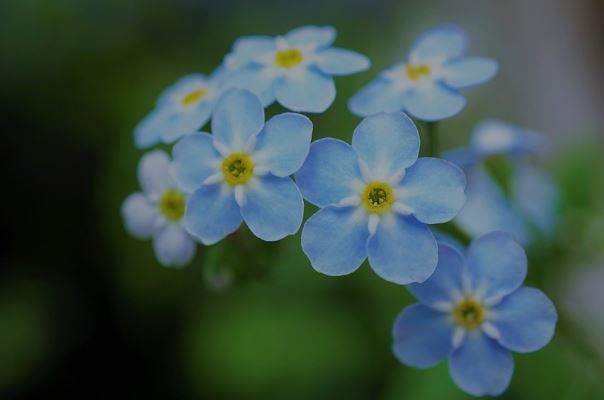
{"x": 85, "y": 310}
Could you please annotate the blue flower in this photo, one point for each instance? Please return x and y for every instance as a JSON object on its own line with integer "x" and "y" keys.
{"x": 475, "y": 312}
{"x": 182, "y": 108}
{"x": 426, "y": 85}
{"x": 376, "y": 198}
{"x": 296, "y": 69}
{"x": 158, "y": 211}
{"x": 242, "y": 171}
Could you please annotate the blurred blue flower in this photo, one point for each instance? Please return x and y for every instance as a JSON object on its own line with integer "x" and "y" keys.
{"x": 182, "y": 108}
{"x": 376, "y": 198}
{"x": 158, "y": 211}
{"x": 242, "y": 171}
{"x": 296, "y": 69}
{"x": 474, "y": 311}
{"x": 426, "y": 85}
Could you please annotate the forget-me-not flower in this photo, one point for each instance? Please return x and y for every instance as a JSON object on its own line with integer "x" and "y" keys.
{"x": 376, "y": 198}
{"x": 241, "y": 171}
{"x": 427, "y": 85}
{"x": 295, "y": 69}
{"x": 157, "y": 212}
{"x": 475, "y": 312}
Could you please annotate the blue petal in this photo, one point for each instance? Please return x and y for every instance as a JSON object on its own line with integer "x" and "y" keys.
{"x": 247, "y": 49}
{"x": 402, "y": 250}
{"x": 433, "y": 189}
{"x": 273, "y": 207}
{"x": 257, "y": 79}
{"x": 526, "y": 320}
{"x": 148, "y": 132}
{"x": 445, "y": 238}
{"x": 445, "y": 282}
{"x": 212, "y": 213}
{"x": 307, "y": 90}
{"x": 330, "y": 172}
{"x": 194, "y": 159}
{"x": 237, "y": 116}
{"x": 284, "y": 143}
{"x": 140, "y": 215}
{"x": 154, "y": 173}
{"x": 334, "y": 240}
{"x": 173, "y": 246}
{"x": 313, "y": 36}
{"x": 169, "y": 96}
{"x": 422, "y": 336}
{"x": 183, "y": 122}
{"x": 444, "y": 42}
{"x": 433, "y": 101}
{"x": 469, "y": 72}
{"x": 463, "y": 157}
{"x": 380, "y": 95}
{"x": 496, "y": 264}
{"x": 481, "y": 366}
{"x": 335, "y": 61}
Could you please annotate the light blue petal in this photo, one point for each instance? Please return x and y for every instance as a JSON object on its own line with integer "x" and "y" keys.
{"x": 386, "y": 143}
{"x": 379, "y": 95}
{"x": 422, "y": 337}
{"x": 447, "y": 239}
{"x": 463, "y": 157}
{"x": 173, "y": 246}
{"x": 433, "y": 189}
{"x": 433, "y": 101}
{"x": 334, "y": 240}
{"x": 526, "y": 320}
{"x": 247, "y": 49}
{"x": 257, "y": 79}
{"x": 273, "y": 207}
{"x": 481, "y": 366}
{"x": 496, "y": 264}
{"x": 497, "y": 137}
{"x": 184, "y": 122}
{"x": 443, "y": 42}
{"x": 308, "y": 90}
{"x": 139, "y": 216}
{"x": 284, "y": 143}
{"x": 194, "y": 159}
{"x": 154, "y": 173}
{"x": 212, "y": 213}
{"x": 148, "y": 132}
{"x": 313, "y": 36}
{"x": 330, "y": 172}
{"x": 335, "y": 61}
{"x": 536, "y": 195}
{"x": 445, "y": 282}
{"x": 469, "y": 72}
{"x": 169, "y": 96}
{"x": 402, "y": 250}
{"x": 237, "y": 116}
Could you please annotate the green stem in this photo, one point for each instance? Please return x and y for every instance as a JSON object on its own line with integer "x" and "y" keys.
{"x": 432, "y": 136}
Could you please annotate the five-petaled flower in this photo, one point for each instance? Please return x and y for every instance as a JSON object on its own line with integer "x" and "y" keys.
{"x": 475, "y": 312}
{"x": 427, "y": 85}
{"x": 158, "y": 211}
{"x": 295, "y": 69}
{"x": 376, "y": 198}
{"x": 242, "y": 171}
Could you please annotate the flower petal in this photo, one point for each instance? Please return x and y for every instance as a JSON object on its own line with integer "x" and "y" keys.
{"x": 334, "y": 240}
{"x": 386, "y": 143}
{"x": 497, "y": 137}
{"x": 433, "y": 101}
{"x": 496, "y": 264}
{"x": 173, "y": 246}
{"x": 402, "y": 250}
{"x": 247, "y": 49}
{"x": 194, "y": 159}
{"x": 273, "y": 207}
{"x": 433, "y": 189}
{"x": 525, "y": 320}
{"x": 481, "y": 366}
{"x": 139, "y": 215}
{"x": 444, "y": 42}
{"x": 306, "y": 90}
{"x": 184, "y": 122}
{"x": 422, "y": 336}
{"x": 379, "y": 95}
{"x": 314, "y": 36}
{"x": 212, "y": 213}
{"x": 237, "y": 116}
{"x": 335, "y": 61}
{"x": 330, "y": 173}
{"x": 257, "y": 79}
{"x": 283, "y": 144}
{"x": 148, "y": 132}
{"x": 469, "y": 71}
{"x": 154, "y": 173}
{"x": 171, "y": 94}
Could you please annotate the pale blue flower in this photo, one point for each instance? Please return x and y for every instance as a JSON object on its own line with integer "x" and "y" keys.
{"x": 157, "y": 212}
{"x": 426, "y": 86}
{"x": 474, "y": 311}
{"x": 241, "y": 172}
{"x": 295, "y": 69}
{"x": 376, "y": 198}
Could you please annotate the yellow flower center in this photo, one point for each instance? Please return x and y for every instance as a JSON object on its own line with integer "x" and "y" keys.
{"x": 378, "y": 197}
{"x": 288, "y": 58}
{"x": 172, "y": 205}
{"x": 193, "y": 97}
{"x": 468, "y": 313}
{"x": 414, "y": 72}
{"x": 237, "y": 168}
